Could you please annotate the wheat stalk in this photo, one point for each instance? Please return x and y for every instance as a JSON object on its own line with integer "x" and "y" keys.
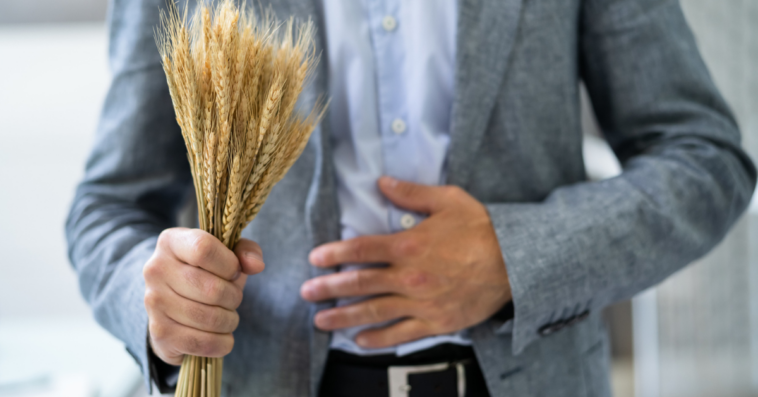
{"x": 234, "y": 79}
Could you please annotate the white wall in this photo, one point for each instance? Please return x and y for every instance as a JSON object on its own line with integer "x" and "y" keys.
{"x": 47, "y": 11}
{"x": 52, "y": 82}
{"x": 727, "y": 35}
{"x": 703, "y": 343}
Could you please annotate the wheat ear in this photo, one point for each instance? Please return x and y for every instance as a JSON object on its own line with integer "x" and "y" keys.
{"x": 234, "y": 79}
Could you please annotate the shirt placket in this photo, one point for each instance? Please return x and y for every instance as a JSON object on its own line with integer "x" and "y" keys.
{"x": 398, "y": 151}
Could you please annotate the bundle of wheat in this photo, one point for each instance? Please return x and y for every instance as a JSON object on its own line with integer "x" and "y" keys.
{"x": 234, "y": 80}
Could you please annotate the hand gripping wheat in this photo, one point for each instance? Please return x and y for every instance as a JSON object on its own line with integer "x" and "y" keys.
{"x": 234, "y": 80}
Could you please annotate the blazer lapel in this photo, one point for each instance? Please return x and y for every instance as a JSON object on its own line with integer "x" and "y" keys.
{"x": 322, "y": 210}
{"x": 486, "y": 33}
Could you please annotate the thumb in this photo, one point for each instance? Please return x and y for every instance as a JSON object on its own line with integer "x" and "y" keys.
{"x": 250, "y": 256}
{"x": 412, "y": 196}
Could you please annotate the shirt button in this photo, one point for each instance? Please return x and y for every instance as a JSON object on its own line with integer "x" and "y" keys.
{"x": 389, "y": 23}
{"x": 407, "y": 221}
{"x": 398, "y": 126}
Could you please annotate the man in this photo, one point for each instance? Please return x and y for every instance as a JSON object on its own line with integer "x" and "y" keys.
{"x": 490, "y": 283}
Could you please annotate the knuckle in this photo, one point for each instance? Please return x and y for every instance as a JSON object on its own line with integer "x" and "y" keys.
{"x": 236, "y": 297}
{"x": 215, "y": 320}
{"x": 374, "y": 312}
{"x": 221, "y": 321}
{"x": 454, "y": 192}
{"x": 358, "y": 249}
{"x": 158, "y": 330}
{"x": 152, "y": 298}
{"x": 234, "y": 321}
{"x": 192, "y": 277}
{"x": 203, "y": 247}
{"x": 408, "y": 189}
{"x": 226, "y": 346}
{"x": 196, "y": 314}
{"x": 414, "y": 279}
{"x": 213, "y": 289}
{"x": 152, "y": 270}
{"x": 410, "y": 245}
{"x": 358, "y": 280}
{"x": 196, "y": 345}
{"x": 206, "y": 345}
{"x": 165, "y": 237}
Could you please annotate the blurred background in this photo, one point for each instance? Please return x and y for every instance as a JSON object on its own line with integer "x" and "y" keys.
{"x": 695, "y": 335}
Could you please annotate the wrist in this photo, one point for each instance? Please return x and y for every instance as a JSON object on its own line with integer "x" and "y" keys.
{"x": 164, "y": 375}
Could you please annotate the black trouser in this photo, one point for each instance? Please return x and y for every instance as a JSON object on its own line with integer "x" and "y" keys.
{"x": 349, "y": 375}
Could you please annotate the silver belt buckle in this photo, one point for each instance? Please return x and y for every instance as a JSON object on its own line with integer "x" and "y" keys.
{"x": 398, "y": 377}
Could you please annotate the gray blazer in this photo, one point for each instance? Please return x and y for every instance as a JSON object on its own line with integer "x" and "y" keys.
{"x": 570, "y": 246}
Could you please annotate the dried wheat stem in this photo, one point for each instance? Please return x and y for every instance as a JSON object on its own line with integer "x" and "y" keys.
{"x": 234, "y": 81}
{"x": 202, "y": 380}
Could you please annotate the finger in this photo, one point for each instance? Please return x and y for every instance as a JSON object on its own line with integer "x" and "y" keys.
{"x": 402, "y": 332}
{"x": 250, "y": 256}
{"x": 171, "y": 341}
{"x": 199, "y": 248}
{"x": 364, "y": 249}
{"x": 414, "y": 197}
{"x": 192, "y": 314}
{"x": 203, "y": 287}
{"x": 349, "y": 283}
{"x": 371, "y": 311}
{"x": 240, "y": 283}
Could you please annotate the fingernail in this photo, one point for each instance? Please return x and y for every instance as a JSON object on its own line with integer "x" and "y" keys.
{"x": 322, "y": 320}
{"x": 316, "y": 257}
{"x": 308, "y": 291}
{"x": 362, "y": 341}
{"x": 389, "y": 182}
{"x": 253, "y": 255}
{"x": 236, "y": 275}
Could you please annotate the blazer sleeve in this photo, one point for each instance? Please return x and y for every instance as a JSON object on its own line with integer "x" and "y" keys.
{"x": 136, "y": 178}
{"x": 685, "y": 179}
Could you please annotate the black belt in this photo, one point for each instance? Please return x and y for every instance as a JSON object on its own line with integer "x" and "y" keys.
{"x": 442, "y": 371}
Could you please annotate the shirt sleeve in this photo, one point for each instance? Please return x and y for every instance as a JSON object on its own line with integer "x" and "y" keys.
{"x": 685, "y": 179}
{"x": 136, "y": 178}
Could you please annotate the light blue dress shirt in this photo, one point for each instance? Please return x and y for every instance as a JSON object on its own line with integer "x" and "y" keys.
{"x": 391, "y": 73}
